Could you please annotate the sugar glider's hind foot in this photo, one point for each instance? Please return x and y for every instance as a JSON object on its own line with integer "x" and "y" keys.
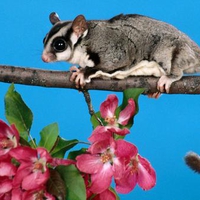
{"x": 77, "y": 77}
{"x": 165, "y": 82}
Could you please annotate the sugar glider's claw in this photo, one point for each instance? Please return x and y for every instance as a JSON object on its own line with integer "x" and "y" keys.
{"x": 155, "y": 95}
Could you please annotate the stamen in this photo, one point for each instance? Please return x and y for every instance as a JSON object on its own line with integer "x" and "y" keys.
{"x": 134, "y": 166}
{"x": 106, "y": 157}
{"x": 111, "y": 120}
{"x": 38, "y": 166}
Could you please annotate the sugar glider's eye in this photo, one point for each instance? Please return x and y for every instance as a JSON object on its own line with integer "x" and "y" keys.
{"x": 59, "y": 44}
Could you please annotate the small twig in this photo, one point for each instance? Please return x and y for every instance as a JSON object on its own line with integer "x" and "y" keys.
{"x": 89, "y": 104}
{"x": 88, "y": 101}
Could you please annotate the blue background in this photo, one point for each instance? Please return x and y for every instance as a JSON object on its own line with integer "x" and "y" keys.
{"x": 164, "y": 130}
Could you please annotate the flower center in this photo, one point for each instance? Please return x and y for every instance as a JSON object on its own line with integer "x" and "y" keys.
{"x": 106, "y": 157}
{"x": 111, "y": 120}
{"x": 134, "y": 166}
{"x": 38, "y": 166}
{"x": 6, "y": 143}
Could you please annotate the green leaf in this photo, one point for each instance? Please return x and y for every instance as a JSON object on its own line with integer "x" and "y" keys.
{"x": 24, "y": 142}
{"x": 133, "y": 93}
{"x": 73, "y": 154}
{"x": 49, "y": 135}
{"x": 62, "y": 146}
{"x": 17, "y": 112}
{"x": 74, "y": 182}
{"x": 56, "y": 185}
{"x": 94, "y": 120}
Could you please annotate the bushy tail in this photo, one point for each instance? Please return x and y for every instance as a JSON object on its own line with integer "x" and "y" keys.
{"x": 193, "y": 161}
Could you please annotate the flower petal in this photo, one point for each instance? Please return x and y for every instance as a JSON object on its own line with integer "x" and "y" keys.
{"x": 127, "y": 113}
{"x": 89, "y": 164}
{"x": 118, "y": 168}
{"x": 59, "y": 161}
{"x": 3, "y": 152}
{"x": 43, "y": 153}
{"x": 125, "y": 149}
{"x": 35, "y": 180}
{"x": 100, "y": 133}
{"x": 22, "y": 172}
{"x": 102, "y": 180}
{"x": 101, "y": 146}
{"x": 127, "y": 183}
{"x": 6, "y": 130}
{"x": 108, "y": 107}
{"x": 24, "y": 154}
{"x": 7, "y": 169}
{"x": 5, "y": 185}
{"x": 17, "y": 193}
{"x": 118, "y": 131}
{"x": 107, "y": 194}
{"x": 146, "y": 174}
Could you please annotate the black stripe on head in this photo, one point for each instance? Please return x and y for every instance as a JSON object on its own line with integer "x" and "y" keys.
{"x": 67, "y": 37}
{"x": 54, "y": 30}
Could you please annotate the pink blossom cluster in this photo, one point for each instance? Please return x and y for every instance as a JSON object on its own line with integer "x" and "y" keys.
{"x": 23, "y": 170}
{"x": 109, "y": 158}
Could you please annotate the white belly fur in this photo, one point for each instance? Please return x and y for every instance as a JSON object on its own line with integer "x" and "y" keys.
{"x": 144, "y": 68}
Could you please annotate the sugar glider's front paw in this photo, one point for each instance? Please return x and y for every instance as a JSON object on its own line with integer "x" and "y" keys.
{"x": 164, "y": 84}
{"x": 77, "y": 77}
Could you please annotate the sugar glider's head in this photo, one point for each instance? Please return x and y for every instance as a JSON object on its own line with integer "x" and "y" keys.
{"x": 60, "y": 41}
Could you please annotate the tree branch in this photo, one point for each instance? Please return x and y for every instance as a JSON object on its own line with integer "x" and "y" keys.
{"x": 60, "y": 79}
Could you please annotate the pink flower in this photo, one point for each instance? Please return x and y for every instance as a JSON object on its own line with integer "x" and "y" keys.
{"x": 101, "y": 163}
{"x": 108, "y": 112}
{"x": 136, "y": 169}
{"x": 9, "y": 138}
{"x": 33, "y": 171}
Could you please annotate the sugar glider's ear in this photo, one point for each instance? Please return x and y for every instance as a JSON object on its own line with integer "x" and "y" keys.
{"x": 54, "y": 18}
{"x": 79, "y": 26}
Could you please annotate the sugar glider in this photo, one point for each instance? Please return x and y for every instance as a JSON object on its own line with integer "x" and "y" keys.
{"x": 126, "y": 45}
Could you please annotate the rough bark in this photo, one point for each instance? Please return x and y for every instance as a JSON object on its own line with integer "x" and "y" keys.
{"x": 60, "y": 79}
